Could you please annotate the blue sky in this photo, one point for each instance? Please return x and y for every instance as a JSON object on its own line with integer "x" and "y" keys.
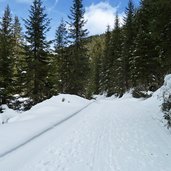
{"x": 99, "y": 13}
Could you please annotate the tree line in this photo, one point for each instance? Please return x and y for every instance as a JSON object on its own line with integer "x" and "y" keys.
{"x": 135, "y": 54}
{"x": 30, "y": 68}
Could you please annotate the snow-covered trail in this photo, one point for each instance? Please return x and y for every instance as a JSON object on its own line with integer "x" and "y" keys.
{"x": 110, "y": 135}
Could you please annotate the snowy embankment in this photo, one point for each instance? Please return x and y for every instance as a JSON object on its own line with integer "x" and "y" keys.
{"x": 111, "y": 134}
{"x": 23, "y": 126}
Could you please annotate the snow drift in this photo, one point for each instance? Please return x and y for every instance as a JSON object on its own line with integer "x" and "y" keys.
{"x": 22, "y": 126}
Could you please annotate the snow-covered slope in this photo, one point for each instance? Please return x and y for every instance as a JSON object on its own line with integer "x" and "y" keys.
{"x": 111, "y": 134}
{"x": 23, "y": 126}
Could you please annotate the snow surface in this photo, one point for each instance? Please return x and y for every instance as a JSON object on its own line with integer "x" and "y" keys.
{"x": 7, "y": 115}
{"x": 23, "y": 126}
{"x": 111, "y": 134}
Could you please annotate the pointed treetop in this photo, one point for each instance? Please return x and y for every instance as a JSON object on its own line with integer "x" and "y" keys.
{"x": 6, "y": 23}
{"x": 116, "y": 22}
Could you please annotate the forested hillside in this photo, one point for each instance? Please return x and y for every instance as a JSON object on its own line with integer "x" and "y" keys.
{"x": 135, "y": 54}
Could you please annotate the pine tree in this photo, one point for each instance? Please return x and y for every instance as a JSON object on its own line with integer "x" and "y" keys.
{"x": 162, "y": 30}
{"x": 79, "y": 58}
{"x": 19, "y": 63}
{"x": 6, "y": 56}
{"x": 63, "y": 71}
{"x": 96, "y": 49}
{"x": 17, "y": 31}
{"x": 61, "y": 37}
{"x": 116, "y": 72}
{"x": 129, "y": 33}
{"x": 145, "y": 56}
{"x": 37, "y": 25}
{"x": 106, "y": 63}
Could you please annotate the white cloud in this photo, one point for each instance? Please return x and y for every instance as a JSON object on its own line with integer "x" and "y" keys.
{"x": 100, "y": 15}
{"x": 53, "y": 6}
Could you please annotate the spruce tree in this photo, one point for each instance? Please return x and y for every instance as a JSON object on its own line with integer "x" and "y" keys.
{"x": 19, "y": 63}
{"x": 79, "y": 58}
{"x": 145, "y": 56}
{"x": 129, "y": 34}
{"x": 116, "y": 85}
{"x": 6, "y": 56}
{"x": 106, "y": 63}
{"x": 63, "y": 71}
{"x": 96, "y": 49}
{"x": 37, "y": 25}
{"x": 162, "y": 30}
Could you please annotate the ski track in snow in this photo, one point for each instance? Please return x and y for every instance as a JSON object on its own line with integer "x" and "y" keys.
{"x": 110, "y": 135}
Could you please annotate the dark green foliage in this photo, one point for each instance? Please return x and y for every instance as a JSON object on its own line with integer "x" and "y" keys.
{"x": 19, "y": 63}
{"x": 162, "y": 30}
{"x": 145, "y": 57}
{"x": 79, "y": 57}
{"x": 116, "y": 85}
{"x": 129, "y": 33}
{"x": 37, "y": 52}
{"x": 106, "y": 62}
{"x": 112, "y": 62}
{"x": 63, "y": 61}
{"x": 95, "y": 49}
{"x": 6, "y": 55}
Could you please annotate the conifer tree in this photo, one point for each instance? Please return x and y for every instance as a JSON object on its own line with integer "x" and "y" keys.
{"x": 6, "y": 55}
{"x": 145, "y": 55}
{"x": 37, "y": 25}
{"x": 63, "y": 71}
{"x": 19, "y": 63}
{"x": 162, "y": 30}
{"x": 96, "y": 50}
{"x": 116, "y": 86}
{"x": 79, "y": 58}
{"x": 106, "y": 63}
{"x": 129, "y": 33}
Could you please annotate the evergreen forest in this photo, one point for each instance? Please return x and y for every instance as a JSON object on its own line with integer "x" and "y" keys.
{"x": 134, "y": 55}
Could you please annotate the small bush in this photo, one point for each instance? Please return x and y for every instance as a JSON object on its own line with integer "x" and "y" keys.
{"x": 21, "y": 104}
{"x": 139, "y": 92}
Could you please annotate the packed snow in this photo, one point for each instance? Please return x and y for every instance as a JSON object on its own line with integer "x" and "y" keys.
{"x": 110, "y": 134}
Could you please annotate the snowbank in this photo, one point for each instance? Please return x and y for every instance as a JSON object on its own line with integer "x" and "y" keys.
{"x": 165, "y": 90}
{"x": 55, "y": 105}
{"x": 59, "y": 105}
{"x": 37, "y": 119}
